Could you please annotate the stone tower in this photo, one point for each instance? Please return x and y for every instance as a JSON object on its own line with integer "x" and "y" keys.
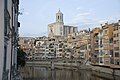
{"x": 59, "y": 16}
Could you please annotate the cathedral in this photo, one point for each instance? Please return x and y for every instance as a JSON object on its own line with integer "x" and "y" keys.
{"x": 58, "y": 28}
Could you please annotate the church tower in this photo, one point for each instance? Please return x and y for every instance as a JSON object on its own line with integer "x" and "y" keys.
{"x": 59, "y": 16}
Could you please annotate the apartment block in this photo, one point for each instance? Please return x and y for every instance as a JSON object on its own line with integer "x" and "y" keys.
{"x": 84, "y": 44}
{"x": 27, "y": 44}
{"x": 107, "y": 42}
{"x": 116, "y": 44}
{"x": 95, "y": 45}
{"x": 40, "y": 48}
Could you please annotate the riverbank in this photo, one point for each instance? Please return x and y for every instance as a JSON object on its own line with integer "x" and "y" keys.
{"x": 45, "y": 73}
{"x": 100, "y": 69}
{"x": 112, "y": 70}
{"x": 31, "y": 72}
{"x": 105, "y": 69}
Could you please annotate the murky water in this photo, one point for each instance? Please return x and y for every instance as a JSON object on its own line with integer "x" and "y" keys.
{"x": 42, "y": 73}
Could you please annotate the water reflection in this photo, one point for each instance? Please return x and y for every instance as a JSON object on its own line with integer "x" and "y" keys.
{"x": 42, "y": 73}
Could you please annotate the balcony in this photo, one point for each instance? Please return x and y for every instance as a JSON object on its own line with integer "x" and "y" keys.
{"x": 52, "y": 47}
{"x": 96, "y": 38}
{"x": 116, "y": 45}
{"x": 116, "y": 38}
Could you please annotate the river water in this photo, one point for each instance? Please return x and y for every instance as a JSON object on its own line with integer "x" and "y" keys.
{"x": 42, "y": 73}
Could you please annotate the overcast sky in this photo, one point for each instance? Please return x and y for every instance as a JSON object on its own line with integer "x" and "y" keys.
{"x": 37, "y": 14}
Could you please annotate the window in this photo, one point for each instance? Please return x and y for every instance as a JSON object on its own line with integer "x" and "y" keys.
{"x": 111, "y": 40}
{"x": 117, "y": 62}
{"x": 7, "y": 22}
{"x": 5, "y": 57}
{"x": 116, "y": 48}
{"x": 60, "y": 50}
{"x": 116, "y": 28}
{"x": 105, "y": 32}
{"x": 101, "y": 61}
{"x": 101, "y": 41}
{"x": 114, "y": 41}
{"x": 116, "y": 54}
{"x": 52, "y": 50}
{"x": 114, "y": 35}
{"x": 117, "y": 34}
{"x": 97, "y": 41}
{"x": 6, "y": 19}
{"x": 69, "y": 30}
{"x": 111, "y": 53}
{"x": 73, "y": 29}
{"x": 112, "y": 61}
{"x": 60, "y": 17}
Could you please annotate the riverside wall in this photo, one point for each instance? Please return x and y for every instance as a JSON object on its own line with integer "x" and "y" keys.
{"x": 107, "y": 70}
{"x": 95, "y": 68}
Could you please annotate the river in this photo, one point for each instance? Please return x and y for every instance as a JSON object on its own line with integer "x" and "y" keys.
{"x": 42, "y": 73}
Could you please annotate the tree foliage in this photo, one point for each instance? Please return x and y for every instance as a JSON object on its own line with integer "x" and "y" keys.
{"x": 21, "y": 58}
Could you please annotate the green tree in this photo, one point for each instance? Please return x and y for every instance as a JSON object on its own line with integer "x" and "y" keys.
{"x": 21, "y": 58}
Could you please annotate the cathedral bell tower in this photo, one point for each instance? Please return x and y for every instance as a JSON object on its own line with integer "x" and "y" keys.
{"x": 59, "y": 16}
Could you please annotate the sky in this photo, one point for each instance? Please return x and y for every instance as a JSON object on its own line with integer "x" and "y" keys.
{"x": 37, "y": 14}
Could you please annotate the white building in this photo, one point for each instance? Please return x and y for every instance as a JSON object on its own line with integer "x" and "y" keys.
{"x": 8, "y": 37}
{"x": 40, "y": 48}
{"x": 100, "y": 48}
{"x": 58, "y": 28}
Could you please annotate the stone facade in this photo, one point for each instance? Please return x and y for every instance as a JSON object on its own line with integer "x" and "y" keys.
{"x": 40, "y": 48}
{"x": 107, "y": 42}
{"x": 105, "y": 46}
{"x": 26, "y": 44}
{"x": 116, "y": 42}
{"x": 8, "y": 38}
{"x": 95, "y": 45}
{"x": 58, "y": 28}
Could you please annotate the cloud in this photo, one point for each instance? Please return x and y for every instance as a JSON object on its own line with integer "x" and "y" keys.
{"x": 26, "y": 13}
{"x": 86, "y": 18}
{"x": 79, "y": 8}
{"x": 33, "y": 34}
{"x": 82, "y": 18}
{"x": 102, "y": 21}
{"x": 83, "y": 14}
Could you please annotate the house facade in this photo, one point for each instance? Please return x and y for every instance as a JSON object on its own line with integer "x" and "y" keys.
{"x": 8, "y": 38}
